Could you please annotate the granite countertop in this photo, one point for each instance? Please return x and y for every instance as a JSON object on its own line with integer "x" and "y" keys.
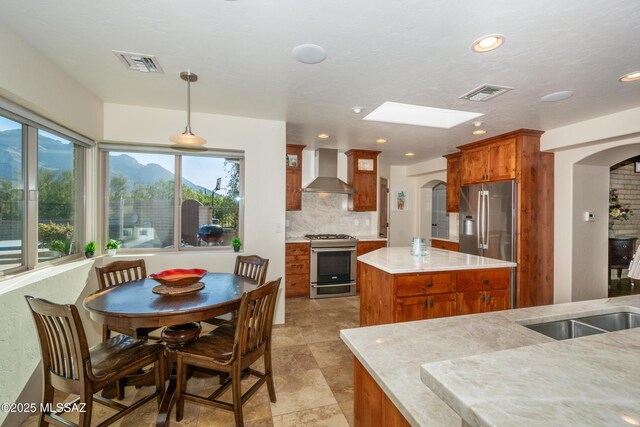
{"x": 393, "y": 355}
{"x": 399, "y": 260}
{"x": 365, "y": 238}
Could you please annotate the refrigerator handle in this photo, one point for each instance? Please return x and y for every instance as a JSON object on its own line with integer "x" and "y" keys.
{"x": 486, "y": 235}
{"x": 479, "y": 231}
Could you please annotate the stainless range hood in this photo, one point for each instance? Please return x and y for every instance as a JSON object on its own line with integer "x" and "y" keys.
{"x": 327, "y": 180}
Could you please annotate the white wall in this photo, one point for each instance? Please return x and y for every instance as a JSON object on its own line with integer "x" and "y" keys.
{"x": 263, "y": 143}
{"x": 572, "y": 144}
{"x": 29, "y": 79}
{"x": 590, "y": 242}
{"x": 402, "y": 224}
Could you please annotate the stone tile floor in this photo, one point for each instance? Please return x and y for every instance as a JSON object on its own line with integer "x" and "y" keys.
{"x": 313, "y": 374}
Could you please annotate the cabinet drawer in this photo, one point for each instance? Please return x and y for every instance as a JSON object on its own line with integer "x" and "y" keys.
{"x": 444, "y": 244}
{"x": 297, "y": 285}
{"x": 366, "y": 247}
{"x": 293, "y": 249}
{"x": 483, "y": 279}
{"x": 296, "y": 265}
{"x": 425, "y": 284}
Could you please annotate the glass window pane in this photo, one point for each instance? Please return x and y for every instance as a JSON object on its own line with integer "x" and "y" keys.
{"x": 60, "y": 201}
{"x": 210, "y": 211}
{"x": 11, "y": 195}
{"x": 141, "y": 199}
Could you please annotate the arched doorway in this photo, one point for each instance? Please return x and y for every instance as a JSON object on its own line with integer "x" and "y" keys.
{"x": 590, "y": 238}
{"x": 433, "y": 210}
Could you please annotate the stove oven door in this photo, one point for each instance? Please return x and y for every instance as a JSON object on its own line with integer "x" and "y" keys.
{"x": 333, "y": 272}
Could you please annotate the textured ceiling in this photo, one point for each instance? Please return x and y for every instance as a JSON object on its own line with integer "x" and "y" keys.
{"x": 410, "y": 51}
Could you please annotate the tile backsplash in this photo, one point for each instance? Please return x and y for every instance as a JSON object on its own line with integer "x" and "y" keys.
{"x": 329, "y": 213}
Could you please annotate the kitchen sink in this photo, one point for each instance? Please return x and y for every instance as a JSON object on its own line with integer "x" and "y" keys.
{"x": 565, "y": 329}
{"x": 585, "y": 326}
{"x": 613, "y": 321}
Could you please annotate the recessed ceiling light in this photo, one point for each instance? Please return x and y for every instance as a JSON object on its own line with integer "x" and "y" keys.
{"x": 630, "y": 77}
{"x": 323, "y": 136}
{"x": 309, "y": 53}
{"x": 409, "y": 154}
{"x": 479, "y": 132}
{"x": 487, "y": 43}
{"x": 407, "y": 114}
{"x": 381, "y": 140}
{"x": 478, "y": 123}
{"x": 557, "y": 96}
{"x": 357, "y": 110}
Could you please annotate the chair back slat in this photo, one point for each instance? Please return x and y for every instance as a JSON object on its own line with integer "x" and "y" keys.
{"x": 253, "y": 267}
{"x": 255, "y": 318}
{"x": 62, "y": 339}
{"x": 119, "y": 272}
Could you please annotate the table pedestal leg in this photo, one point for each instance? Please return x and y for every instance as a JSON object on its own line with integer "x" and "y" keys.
{"x": 175, "y": 337}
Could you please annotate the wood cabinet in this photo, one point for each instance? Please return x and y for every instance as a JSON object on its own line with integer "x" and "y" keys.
{"x": 517, "y": 156}
{"x": 495, "y": 161}
{"x": 392, "y": 298}
{"x": 362, "y": 175}
{"x": 364, "y": 247}
{"x": 445, "y": 244}
{"x": 371, "y": 405}
{"x": 294, "y": 177}
{"x": 481, "y": 291}
{"x": 453, "y": 182}
{"x": 297, "y": 269}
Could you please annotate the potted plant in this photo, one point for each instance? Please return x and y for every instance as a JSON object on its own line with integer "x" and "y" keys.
{"x": 112, "y": 246}
{"x": 236, "y": 243}
{"x": 57, "y": 248}
{"x": 90, "y": 249}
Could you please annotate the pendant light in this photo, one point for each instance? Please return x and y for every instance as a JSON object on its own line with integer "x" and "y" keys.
{"x": 188, "y": 140}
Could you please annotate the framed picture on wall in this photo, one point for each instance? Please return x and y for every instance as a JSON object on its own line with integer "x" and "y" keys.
{"x": 400, "y": 200}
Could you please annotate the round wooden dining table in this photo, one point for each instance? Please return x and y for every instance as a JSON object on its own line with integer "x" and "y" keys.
{"x": 134, "y": 305}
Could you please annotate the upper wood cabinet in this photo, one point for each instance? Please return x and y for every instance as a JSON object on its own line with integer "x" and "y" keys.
{"x": 453, "y": 182}
{"x": 362, "y": 175}
{"x": 294, "y": 177}
{"x": 489, "y": 161}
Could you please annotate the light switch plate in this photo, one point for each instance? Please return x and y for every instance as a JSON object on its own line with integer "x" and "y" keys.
{"x": 589, "y": 217}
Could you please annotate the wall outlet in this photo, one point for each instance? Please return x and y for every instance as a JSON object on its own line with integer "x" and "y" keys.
{"x": 286, "y": 223}
{"x": 589, "y": 217}
{"x": 356, "y": 222}
{"x": 367, "y": 222}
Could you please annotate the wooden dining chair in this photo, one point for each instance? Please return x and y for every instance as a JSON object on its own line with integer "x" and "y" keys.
{"x": 119, "y": 273}
{"x": 69, "y": 365}
{"x": 232, "y": 349}
{"x": 252, "y": 267}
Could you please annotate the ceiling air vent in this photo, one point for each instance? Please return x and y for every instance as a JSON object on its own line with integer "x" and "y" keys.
{"x": 485, "y": 92}
{"x": 139, "y": 62}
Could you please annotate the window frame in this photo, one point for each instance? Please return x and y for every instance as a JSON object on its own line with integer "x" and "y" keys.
{"x": 105, "y": 148}
{"x": 32, "y": 123}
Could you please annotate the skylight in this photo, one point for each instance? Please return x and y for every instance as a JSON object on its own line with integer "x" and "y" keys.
{"x": 407, "y": 114}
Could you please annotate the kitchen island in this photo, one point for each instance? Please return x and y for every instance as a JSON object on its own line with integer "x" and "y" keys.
{"x": 398, "y": 287}
{"x": 592, "y": 379}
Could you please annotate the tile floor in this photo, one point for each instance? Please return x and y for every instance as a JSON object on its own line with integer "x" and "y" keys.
{"x": 313, "y": 374}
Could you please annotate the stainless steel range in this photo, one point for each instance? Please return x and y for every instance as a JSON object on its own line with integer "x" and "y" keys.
{"x": 333, "y": 265}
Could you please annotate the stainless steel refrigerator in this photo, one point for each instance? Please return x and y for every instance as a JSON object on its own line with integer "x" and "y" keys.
{"x": 488, "y": 222}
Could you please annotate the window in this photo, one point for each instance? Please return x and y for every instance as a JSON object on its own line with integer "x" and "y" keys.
{"x": 147, "y": 210}
{"x": 12, "y": 217}
{"x": 41, "y": 189}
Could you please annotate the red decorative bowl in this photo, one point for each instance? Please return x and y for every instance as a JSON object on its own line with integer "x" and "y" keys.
{"x": 179, "y": 276}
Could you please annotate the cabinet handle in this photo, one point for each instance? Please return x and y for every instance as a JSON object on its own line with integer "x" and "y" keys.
{"x": 489, "y": 298}
{"x": 431, "y": 304}
{"x": 485, "y": 281}
{"x": 425, "y": 302}
{"x": 482, "y": 298}
{"x": 428, "y": 285}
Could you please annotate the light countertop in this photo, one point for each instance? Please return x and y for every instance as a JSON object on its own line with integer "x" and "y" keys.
{"x": 399, "y": 260}
{"x": 365, "y": 238}
{"x": 454, "y": 351}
